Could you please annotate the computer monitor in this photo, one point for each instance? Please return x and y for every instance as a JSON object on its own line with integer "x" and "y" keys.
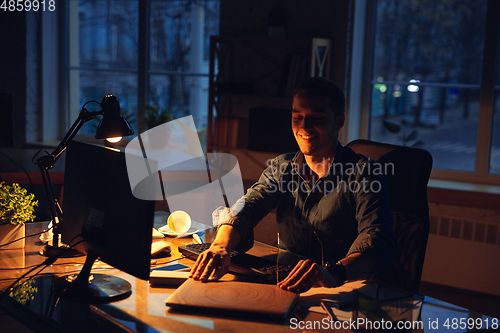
{"x": 100, "y": 210}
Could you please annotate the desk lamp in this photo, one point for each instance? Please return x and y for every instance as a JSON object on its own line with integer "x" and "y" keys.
{"x": 112, "y": 127}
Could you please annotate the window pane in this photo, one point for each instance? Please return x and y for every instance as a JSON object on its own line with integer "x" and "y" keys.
{"x": 495, "y": 139}
{"x": 108, "y": 34}
{"x": 179, "y": 56}
{"x": 94, "y": 85}
{"x": 104, "y": 58}
{"x": 180, "y": 95}
{"x": 438, "y": 44}
{"x": 179, "y": 35}
{"x": 495, "y": 126}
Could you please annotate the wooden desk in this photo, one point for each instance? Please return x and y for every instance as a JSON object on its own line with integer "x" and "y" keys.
{"x": 145, "y": 309}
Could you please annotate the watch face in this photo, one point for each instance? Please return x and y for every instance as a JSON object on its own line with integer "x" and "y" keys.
{"x": 337, "y": 270}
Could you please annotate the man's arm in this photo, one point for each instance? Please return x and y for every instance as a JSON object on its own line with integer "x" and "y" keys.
{"x": 359, "y": 265}
{"x": 308, "y": 274}
{"x": 237, "y": 232}
{"x": 216, "y": 258}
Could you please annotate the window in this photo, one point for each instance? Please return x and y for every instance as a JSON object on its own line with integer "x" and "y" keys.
{"x": 495, "y": 124}
{"x": 153, "y": 53}
{"x": 428, "y": 86}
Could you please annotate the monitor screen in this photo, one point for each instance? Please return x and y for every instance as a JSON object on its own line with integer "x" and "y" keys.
{"x": 99, "y": 209}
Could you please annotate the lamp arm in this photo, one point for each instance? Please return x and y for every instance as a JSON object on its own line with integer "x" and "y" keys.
{"x": 84, "y": 116}
{"x": 47, "y": 162}
{"x": 54, "y": 206}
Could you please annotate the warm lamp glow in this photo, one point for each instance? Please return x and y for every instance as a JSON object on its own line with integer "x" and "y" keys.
{"x": 114, "y": 140}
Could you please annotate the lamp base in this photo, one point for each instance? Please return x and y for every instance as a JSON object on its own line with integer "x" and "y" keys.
{"x": 62, "y": 251}
{"x": 56, "y": 249}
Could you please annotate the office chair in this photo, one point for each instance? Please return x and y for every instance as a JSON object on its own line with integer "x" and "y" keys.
{"x": 407, "y": 190}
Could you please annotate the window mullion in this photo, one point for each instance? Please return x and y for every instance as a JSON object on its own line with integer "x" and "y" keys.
{"x": 487, "y": 88}
{"x": 360, "y": 89}
{"x": 143, "y": 62}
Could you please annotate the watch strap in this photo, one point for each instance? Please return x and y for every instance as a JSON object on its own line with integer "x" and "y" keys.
{"x": 337, "y": 270}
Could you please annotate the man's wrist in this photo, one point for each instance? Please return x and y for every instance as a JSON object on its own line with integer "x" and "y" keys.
{"x": 338, "y": 271}
{"x": 228, "y": 237}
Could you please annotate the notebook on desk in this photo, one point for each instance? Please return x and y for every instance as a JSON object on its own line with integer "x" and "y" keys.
{"x": 234, "y": 297}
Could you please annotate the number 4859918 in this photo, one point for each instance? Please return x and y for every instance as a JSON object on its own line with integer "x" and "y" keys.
{"x": 27, "y": 5}
{"x": 471, "y": 323}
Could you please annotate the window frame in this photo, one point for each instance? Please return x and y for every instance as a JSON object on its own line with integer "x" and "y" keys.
{"x": 359, "y": 97}
{"x": 70, "y": 88}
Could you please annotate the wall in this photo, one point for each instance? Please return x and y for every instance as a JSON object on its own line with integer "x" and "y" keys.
{"x": 13, "y": 68}
{"x": 29, "y": 67}
{"x": 304, "y": 19}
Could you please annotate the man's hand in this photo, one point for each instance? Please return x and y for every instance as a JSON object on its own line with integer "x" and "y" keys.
{"x": 307, "y": 274}
{"x": 216, "y": 258}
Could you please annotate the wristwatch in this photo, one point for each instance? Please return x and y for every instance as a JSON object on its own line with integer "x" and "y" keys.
{"x": 337, "y": 270}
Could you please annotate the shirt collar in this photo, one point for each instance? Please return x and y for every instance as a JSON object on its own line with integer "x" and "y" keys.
{"x": 298, "y": 159}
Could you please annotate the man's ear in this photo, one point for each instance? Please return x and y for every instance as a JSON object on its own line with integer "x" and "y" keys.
{"x": 340, "y": 121}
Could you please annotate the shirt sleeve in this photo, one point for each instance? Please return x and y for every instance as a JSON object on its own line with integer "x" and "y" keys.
{"x": 259, "y": 200}
{"x": 375, "y": 231}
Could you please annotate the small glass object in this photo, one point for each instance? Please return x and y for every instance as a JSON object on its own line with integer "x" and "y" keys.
{"x": 382, "y": 306}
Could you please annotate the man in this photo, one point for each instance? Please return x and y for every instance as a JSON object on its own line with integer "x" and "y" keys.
{"x": 331, "y": 205}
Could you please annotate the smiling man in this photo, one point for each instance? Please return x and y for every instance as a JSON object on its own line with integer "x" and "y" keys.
{"x": 330, "y": 206}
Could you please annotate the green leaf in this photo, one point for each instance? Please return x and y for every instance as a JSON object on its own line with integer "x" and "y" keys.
{"x": 16, "y": 206}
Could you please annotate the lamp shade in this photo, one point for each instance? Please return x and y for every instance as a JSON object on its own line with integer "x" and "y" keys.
{"x": 112, "y": 124}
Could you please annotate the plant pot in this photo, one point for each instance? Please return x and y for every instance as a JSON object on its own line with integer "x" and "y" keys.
{"x": 10, "y": 232}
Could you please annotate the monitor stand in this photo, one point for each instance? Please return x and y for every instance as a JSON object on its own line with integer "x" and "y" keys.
{"x": 93, "y": 288}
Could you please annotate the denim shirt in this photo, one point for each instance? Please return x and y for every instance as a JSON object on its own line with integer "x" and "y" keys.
{"x": 346, "y": 211}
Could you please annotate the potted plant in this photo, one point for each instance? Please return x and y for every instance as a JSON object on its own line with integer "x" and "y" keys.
{"x": 16, "y": 208}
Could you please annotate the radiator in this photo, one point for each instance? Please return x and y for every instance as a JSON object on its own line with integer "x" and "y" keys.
{"x": 464, "y": 252}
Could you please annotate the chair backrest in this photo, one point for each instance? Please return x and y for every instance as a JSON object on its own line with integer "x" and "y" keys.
{"x": 407, "y": 173}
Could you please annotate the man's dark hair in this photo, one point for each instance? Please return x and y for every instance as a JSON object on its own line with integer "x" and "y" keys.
{"x": 321, "y": 87}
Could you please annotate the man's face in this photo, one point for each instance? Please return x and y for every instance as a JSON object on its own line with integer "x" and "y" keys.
{"x": 315, "y": 126}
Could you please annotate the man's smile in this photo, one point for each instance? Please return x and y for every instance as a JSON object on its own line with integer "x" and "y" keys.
{"x": 308, "y": 136}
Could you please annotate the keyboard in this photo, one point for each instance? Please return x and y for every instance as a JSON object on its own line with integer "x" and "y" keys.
{"x": 262, "y": 268}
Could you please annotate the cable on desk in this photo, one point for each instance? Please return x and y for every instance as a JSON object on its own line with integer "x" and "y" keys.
{"x": 16, "y": 283}
{"x": 19, "y": 268}
{"x": 36, "y": 234}
{"x": 47, "y": 262}
{"x": 15, "y": 269}
{"x": 73, "y": 271}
